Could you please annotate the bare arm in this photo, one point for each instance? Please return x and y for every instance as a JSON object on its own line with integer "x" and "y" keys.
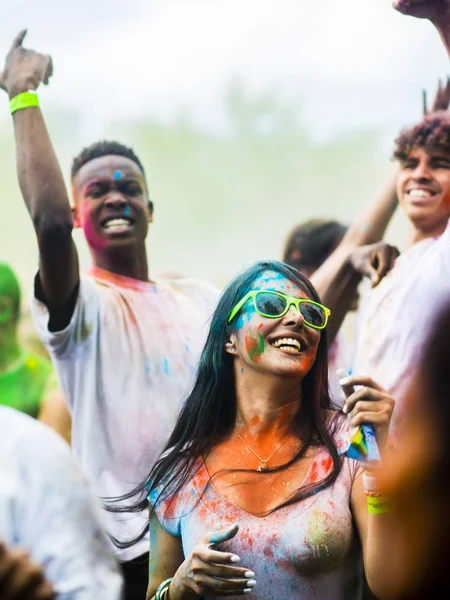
{"x": 166, "y": 555}
{"x": 40, "y": 178}
{"x": 368, "y": 403}
{"x": 436, "y": 11}
{"x": 336, "y": 280}
{"x": 377, "y": 535}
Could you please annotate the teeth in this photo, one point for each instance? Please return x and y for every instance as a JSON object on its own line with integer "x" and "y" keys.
{"x": 419, "y": 194}
{"x": 116, "y": 223}
{"x": 288, "y": 343}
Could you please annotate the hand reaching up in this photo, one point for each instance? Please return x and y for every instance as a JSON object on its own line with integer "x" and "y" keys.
{"x": 441, "y": 100}
{"x": 434, "y": 10}
{"x": 24, "y": 69}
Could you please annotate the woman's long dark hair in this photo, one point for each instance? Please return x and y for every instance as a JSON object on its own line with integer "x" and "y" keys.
{"x": 208, "y": 414}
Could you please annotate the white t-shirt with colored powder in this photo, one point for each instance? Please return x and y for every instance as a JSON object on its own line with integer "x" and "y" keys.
{"x": 125, "y": 363}
{"x": 48, "y": 509}
{"x": 398, "y": 316}
{"x": 309, "y": 550}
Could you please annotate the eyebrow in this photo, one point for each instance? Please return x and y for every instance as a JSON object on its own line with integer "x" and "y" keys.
{"x": 108, "y": 180}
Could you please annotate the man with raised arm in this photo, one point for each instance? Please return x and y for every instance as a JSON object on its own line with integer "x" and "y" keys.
{"x": 125, "y": 347}
{"x": 401, "y": 309}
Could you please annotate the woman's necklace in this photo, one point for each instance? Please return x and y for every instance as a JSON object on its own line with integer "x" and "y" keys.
{"x": 263, "y": 466}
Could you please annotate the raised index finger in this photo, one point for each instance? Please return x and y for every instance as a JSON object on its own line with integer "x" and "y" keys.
{"x": 19, "y": 39}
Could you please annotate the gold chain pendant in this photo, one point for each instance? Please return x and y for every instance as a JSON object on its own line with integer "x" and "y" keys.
{"x": 262, "y": 467}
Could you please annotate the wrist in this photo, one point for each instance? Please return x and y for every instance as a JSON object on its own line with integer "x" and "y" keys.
{"x": 20, "y": 87}
{"x": 178, "y": 591}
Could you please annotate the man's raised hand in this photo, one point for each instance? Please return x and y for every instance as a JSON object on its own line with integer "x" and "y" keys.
{"x": 441, "y": 100}
{"x": 24, "y": 69}
{"x": 434, "y": 10}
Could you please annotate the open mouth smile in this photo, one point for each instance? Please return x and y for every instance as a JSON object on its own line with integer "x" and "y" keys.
{"x": 117, "y": 224}
{"x": 420, "y": 195}
{"x": 287, "y": 344}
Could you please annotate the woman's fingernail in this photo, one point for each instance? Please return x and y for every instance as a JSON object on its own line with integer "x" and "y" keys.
{"x": 249, "y": 574}
{"x": 235, "y": 558}
{"x": 248, "y": 590}
{"x": 345, "y": 409}
{"x": 344, "y": 381}
{"x": 251, "y": 583}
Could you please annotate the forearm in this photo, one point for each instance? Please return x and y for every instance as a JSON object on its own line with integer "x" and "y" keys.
{"x": 444, "y": 31}
{"x": 39, "y": 173}
{"x": 336, "y": 283}
{"x": 45, "y": 195}
{"x": 336, "y": 280}
{"x": 380, "y": 542}
{"x": 370, "y": 226}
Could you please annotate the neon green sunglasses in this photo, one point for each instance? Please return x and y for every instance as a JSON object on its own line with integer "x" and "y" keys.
{"x": 274, "y": 305}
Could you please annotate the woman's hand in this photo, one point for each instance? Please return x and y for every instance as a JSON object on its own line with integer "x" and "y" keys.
{"x": 370, "y": 404}
{"x": 210, "y": 572}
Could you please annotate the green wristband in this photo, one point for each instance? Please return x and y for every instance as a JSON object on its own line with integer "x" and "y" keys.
{"x": 378, "y": 505}
{"x": 24, "y": 100}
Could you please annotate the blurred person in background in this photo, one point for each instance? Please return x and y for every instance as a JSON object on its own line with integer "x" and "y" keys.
{"x": 125, "y": 346}
{"x": 416, "y": 478}
{"x": 307, "y": 248}
{"x": 48, "y": 510}
{"x": 420, "y": 278}
{"x": 27, "y": 381}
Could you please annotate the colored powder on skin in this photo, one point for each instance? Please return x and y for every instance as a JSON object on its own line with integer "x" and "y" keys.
{"x": 166, "y": 366}
{"x": 118, "y": 175}
{"x": 254, "y": 346}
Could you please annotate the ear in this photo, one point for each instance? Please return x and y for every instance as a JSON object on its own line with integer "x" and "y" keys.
{"x": 76, "y": 217}
{"x": 230, "y": 345}
{"x": 150, "y": 211}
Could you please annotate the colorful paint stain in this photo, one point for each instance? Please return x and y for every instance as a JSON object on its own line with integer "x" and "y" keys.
{"x": 254, "y": 346}
{"x": 310, "y": 546}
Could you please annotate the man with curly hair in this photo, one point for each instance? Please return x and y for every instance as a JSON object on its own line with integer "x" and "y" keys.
{"x": 400, "y": 310}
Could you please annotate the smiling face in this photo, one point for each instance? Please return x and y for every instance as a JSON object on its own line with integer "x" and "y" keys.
{"x": 111, "y": 204}
{"x": 423, "y": 188}
{"x": 284, "y": 346}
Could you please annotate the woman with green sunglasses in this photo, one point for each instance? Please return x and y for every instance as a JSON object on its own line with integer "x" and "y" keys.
{"x": 254, "y": 494}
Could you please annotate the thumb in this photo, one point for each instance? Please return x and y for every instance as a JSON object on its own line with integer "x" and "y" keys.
{"x": 223, "y": 536}
{"x": 347, "y": 388}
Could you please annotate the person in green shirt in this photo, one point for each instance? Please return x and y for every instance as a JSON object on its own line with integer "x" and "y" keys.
{"x": 27, "y": 381}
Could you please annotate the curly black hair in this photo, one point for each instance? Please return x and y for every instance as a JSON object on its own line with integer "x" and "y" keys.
{"x": 104, "y": 148}
{"x": 432, "y": 131}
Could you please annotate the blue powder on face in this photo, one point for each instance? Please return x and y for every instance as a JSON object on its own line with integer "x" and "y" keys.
{"x": 118, "y": 175}
{"x": 166, "y": 366}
